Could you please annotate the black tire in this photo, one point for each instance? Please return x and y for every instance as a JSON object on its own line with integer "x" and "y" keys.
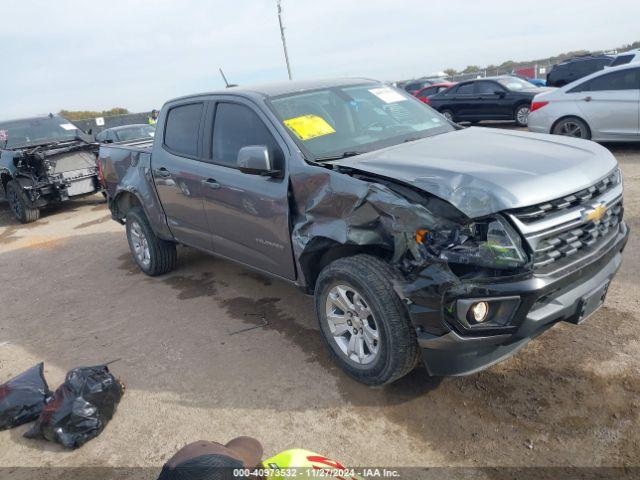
{"x": 398, "y": 352}
{"x": 18, "y": 203}
{"x": 448, "y": 114}
{"x": 565, "y": 126}
{"x": 162, "y": 254}
{"x": 521, "y": 114}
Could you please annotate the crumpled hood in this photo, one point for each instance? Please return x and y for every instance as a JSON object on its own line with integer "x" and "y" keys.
{"x": 484, "y": 170}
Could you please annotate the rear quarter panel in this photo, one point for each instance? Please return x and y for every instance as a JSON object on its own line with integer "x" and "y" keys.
{"x": 128, "y": 171}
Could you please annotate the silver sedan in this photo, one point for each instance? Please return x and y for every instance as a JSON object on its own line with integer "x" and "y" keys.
{"x": 604, "y": 106}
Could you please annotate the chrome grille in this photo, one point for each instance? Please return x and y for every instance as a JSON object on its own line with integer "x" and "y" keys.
{"x": 569, "y": 243}
{"x": 573, "y": 226}
{"x": 536, "y": 212}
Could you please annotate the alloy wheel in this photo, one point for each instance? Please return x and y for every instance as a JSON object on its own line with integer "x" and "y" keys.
{"x": 571, "y": 129}
{"x": 352, "y": 324}
{"x": 522, "y": 115}
{"x": 140, "y": 244}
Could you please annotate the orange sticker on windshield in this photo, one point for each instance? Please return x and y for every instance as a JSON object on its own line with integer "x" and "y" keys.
{"x": 307, "y": 127}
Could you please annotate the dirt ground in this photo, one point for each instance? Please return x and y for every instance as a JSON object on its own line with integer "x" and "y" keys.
{"x": 71, "y": 295}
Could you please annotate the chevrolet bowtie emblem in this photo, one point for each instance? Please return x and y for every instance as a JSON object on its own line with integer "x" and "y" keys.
{"x": 595, "y": 214}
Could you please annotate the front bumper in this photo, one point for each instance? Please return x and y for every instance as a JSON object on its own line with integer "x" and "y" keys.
{"x": 544, "y": 301}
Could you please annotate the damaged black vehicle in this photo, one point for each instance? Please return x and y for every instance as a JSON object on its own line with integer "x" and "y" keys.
{"x": 43, "y": 161}
{"x": 420, "y": 241}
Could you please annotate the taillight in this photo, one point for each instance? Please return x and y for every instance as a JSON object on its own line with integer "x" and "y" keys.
{"x": 425, "y": 100}
{"x": 100, "y": 174}
{"x": 537, "y": 105}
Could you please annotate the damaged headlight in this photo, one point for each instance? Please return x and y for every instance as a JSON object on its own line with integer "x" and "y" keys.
{"x": 490, "y": 243}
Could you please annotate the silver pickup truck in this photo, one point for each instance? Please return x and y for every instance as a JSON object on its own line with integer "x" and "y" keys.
{"x": 420, "y": 240}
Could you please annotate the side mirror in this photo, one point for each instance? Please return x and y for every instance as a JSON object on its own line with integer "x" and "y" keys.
{"x": 256, "y": 160}
{"x": 500, "y": 93}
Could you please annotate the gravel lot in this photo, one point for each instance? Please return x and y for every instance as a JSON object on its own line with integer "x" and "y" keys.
{"x": 71, "y": 296}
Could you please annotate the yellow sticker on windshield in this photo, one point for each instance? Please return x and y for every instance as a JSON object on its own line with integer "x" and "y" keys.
{"x": 309, "y": 126}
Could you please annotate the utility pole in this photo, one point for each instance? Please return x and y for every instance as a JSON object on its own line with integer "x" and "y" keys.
{"x": 284, "y": 42}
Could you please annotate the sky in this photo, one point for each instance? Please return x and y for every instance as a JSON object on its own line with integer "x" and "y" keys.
{"x": 137, "y": 54}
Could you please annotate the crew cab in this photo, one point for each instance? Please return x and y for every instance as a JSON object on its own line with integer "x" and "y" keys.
{"x": 44, "y": 161}
{"x": 420, "y": 240}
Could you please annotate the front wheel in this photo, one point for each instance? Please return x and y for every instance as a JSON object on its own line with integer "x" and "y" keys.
{"x": 522, "y": 115}
{"x": 363, "y": 321}
{"x": 153, "y": 255}
{"x": 448, "y": 114}
{"x": 18, "y": 204}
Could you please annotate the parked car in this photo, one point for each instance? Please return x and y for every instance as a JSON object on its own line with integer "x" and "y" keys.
{"x": 491, "y": 98}
{"x": 424, "y": 93}
{"x": 575, "y": 68}
{"x": 632, "y": 56}
{"x": 412, "y": 86}
{"x": 125, "y": 133}
{"x": 45, "y": 160}
{"x": 419, "y": 239}
{"x": 536, "y": 82}
{"x": 604, "y": 106}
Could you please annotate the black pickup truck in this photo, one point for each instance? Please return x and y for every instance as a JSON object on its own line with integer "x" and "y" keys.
{"x": 419, "y": 239}
{"x": 45, "y": 160}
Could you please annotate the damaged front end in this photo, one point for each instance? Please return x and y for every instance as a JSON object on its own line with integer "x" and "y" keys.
{"x": 470, "y": 286}
{"x": 56, "y": 173}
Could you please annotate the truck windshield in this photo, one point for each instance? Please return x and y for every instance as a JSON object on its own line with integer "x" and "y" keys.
{"x": 342, "y": 121}
{"x": 32, "y": 131}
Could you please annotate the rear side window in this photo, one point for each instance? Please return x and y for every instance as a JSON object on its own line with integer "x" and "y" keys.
{"x": 182, "y": 129}
{"x": 465, "y": 88}
{"x": 621, "y": 60}
{"x": 238, "y": 126}
{"x": 623, "y": 80}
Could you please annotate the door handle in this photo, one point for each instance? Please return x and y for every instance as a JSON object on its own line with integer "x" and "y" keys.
{"x": 587, "y": 99}
{"x": 211, "y": 183}
{"x": 162, "y": 172}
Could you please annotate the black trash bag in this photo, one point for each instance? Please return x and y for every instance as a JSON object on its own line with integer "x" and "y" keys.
{"x": 23, "y": 397}
{"x": 80, "y": 408}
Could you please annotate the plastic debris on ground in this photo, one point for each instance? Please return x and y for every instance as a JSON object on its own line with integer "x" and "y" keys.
{"x": 80, "y": 408}
{"x": 23, "y": 397}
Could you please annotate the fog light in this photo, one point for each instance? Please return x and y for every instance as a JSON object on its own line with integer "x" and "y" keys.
{"x": 479, "y": 311}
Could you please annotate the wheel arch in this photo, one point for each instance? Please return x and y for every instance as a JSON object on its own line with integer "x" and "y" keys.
{"x": 565, "y": 117}
{"x": 321, "y": 251}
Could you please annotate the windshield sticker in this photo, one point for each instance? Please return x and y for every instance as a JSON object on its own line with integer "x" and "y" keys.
{"x": 388, "y": 95}
{"x": 307, "y": 127}
{"x": 68, "y": 126}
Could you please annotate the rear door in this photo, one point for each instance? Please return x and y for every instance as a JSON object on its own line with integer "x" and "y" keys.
{"x": 610, "y": 103}
{"x": 463, "y": 101}
{"x": 248, "y": 214}
{"x": 178, "y": 172}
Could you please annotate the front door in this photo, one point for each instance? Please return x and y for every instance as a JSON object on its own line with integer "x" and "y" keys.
{"x": 490, "y": 103}
{"x": 178, "y": 174}
{"x": 610, "y": 103}
{"x": 248, "y": 214}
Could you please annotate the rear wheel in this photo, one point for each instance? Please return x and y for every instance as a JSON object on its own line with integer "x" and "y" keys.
{"x": 363, "y": 321}
{"x": 153, "y": 255}
{"x": 572, "y": 127}
{"x": 448, "y": 114}
{"x": 521, "y": 115}
{"x": 18, "y": 203}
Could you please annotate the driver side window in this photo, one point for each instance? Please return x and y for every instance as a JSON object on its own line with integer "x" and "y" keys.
{"x": 236, "y": 126}
{"x": 487, "y": 88}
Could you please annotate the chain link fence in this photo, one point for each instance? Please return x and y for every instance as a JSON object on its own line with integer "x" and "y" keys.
{"x": 529, "y": 71}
